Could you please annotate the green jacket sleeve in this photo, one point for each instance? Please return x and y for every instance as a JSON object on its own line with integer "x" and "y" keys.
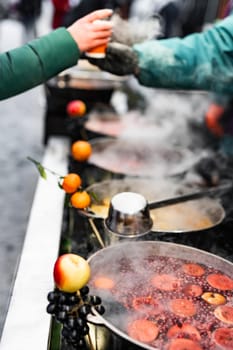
{"x": 32, "y": 64}
{"x": 202, "y": 61}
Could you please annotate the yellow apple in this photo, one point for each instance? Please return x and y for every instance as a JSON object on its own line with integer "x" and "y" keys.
{"x": 71, "y": 272}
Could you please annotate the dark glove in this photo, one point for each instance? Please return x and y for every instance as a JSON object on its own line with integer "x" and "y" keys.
{"x": 120, "y": 60}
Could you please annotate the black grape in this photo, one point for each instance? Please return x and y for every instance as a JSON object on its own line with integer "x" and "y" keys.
{"x": 71, "y": 310}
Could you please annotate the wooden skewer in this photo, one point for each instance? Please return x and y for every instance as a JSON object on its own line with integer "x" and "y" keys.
{"x": 90, "y": 342}
{"x": 96, "y": 232}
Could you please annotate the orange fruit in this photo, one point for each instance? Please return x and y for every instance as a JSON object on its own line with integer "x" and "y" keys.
{"x": 80, "y": 200}
{"x": 71, "y": 183}
{"x": 81, "y": 150}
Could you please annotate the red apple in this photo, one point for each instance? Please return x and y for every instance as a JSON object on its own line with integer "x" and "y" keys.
{"x": 76, "y": 108}
{"x": 71, "y": 272}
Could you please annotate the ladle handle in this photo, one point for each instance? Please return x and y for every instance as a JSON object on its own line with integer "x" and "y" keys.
{"x": 187, "y": 197}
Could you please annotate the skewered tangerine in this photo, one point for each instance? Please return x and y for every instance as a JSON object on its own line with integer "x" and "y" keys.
{"x": 71, "y": 183}
{"x": 80, "y": 200}
{"x": 81, "y": 150}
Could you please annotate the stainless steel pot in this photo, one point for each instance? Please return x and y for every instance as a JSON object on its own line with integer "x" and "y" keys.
{"x": 107, "y": 260}
{"x": 187, "y": 217}
{"x": 145, "y": 158}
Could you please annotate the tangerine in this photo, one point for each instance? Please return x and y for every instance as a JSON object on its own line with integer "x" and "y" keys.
{"x": 80, "y": 200}
{"x": 81, "y": 150}
{"x": 71, "y": 183}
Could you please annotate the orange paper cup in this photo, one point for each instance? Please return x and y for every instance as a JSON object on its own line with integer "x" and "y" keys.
{"x": 97, "y": 52}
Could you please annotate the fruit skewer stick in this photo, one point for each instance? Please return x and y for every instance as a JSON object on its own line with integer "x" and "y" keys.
{"x": 96, "y": 232}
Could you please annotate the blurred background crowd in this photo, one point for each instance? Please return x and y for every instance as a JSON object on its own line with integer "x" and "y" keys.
{"x": 178, "y": 17}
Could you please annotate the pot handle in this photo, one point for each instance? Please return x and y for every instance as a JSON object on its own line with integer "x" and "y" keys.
{"x": 89, "y": 214}
{"x": 95, "y": 318}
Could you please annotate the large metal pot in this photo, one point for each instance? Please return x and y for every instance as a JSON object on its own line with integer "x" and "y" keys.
{"x": 148, "y": 159}
{"x": 106, "y": 262}
{"x": 93, "y": 87}
{"x": 191, "y": 216}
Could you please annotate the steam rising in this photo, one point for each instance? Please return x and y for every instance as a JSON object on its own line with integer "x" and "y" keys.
{"x": 141, "y": 158}
{"x": 134, "y": 30}
{"x": 163, "y": 139}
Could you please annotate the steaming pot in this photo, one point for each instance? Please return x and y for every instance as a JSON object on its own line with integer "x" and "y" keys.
{"x": 107, "y": 258}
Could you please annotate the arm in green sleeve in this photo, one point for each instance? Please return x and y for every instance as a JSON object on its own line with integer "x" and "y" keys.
{"x": 202, "y": 61}
{"x": 34, "y": 63}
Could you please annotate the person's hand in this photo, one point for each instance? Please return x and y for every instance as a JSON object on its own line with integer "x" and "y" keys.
{"x": 119, "y": 60}
{"x": 92, "y": 30}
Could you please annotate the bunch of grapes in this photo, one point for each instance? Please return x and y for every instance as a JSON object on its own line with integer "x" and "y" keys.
{"x": 71, "y": 310}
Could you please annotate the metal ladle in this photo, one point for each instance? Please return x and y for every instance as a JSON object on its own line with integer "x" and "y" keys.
{"x": 128, "y": 215}
{"x": 129, "y": 212}
{"x": 211, "y": 192}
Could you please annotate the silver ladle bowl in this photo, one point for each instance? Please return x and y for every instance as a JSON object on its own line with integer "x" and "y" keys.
{"x": 128, "y": 215}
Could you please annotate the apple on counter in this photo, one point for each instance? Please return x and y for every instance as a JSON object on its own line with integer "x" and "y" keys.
{"x": 76, "y": 108}
{"x": 70, "y": 302}
{"x": 71, "y": 272}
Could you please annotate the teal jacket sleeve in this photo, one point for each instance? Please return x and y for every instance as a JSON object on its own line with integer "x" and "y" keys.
{"x": 202, "y": 61}
{"x": 32, "y": 64}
